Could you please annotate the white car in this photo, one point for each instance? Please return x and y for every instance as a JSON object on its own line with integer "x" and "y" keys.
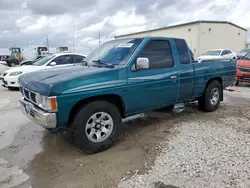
{"x": 10, "y": 79}
{"x": 3, "y": 67}
{"x": 220, "y": 54}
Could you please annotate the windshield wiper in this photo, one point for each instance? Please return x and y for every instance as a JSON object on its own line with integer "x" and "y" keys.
{"x": 105, "y": 64}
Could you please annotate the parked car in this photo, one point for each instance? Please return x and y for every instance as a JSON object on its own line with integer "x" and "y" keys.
{"x": 124, "y": 77}
{"x": 243, "y": 69}
{"x": 219, "y": 54}
{"x": 242, "y": 53}
{"x": 3, "y": 67}
{"x": 10, "y": 79}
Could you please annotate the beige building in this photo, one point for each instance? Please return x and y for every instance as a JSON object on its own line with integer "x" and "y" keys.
{"x": 202, "y": 36}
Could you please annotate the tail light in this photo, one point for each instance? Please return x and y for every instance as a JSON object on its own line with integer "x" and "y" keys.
{"x": 3, "y": 63}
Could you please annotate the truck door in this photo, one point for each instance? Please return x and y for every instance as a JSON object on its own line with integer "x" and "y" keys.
{"x": 185, "y": 70}
{"x": 158, "y": 85}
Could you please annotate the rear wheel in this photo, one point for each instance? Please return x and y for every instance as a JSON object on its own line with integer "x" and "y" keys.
{"x": 96, "y": 126}
{"x": 211, "y": 98}
{"x": 12, "y": 64}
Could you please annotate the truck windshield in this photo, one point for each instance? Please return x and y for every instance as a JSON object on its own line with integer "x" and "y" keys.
{"x": 43, "y": 60}
{"x": 246, "y": 57}
{"x": 116, "y": 52}
{"x": 214, "y": 52}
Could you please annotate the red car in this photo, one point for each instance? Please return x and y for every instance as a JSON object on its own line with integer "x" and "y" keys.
{"x": 243, "y": 69}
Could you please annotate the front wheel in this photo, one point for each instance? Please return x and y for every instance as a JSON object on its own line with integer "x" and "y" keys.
{"x": 211, "y": 98}
{"x": 12, "y": 64}
{"x": 96, "y": 126}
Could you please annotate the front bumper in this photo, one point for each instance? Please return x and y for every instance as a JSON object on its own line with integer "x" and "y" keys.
{"x": 43, "y": 118}
{"x": 10, "y": 81}
{"x": 243, "y": 76}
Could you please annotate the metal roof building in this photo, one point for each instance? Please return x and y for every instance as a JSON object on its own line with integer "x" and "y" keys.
{"x": 201, "y": 35}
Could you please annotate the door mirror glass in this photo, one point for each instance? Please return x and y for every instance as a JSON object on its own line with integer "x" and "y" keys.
{"x": 53, "y": 63}
{"x": 142, "y": 63}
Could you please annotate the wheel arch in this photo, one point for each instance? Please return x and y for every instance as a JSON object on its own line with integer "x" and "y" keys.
{"x": 112, "y": 98}
{"x": 219, "y": 79}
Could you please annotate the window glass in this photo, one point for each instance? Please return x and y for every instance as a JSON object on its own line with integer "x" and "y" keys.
{"x": 62, "y": 60}
{"x": 245, "y": 50}
{"x": 183, "y": 51}
{"x": 247, "y": 57}
{"x": 116, "y": 52}
{"x": 159, "y": 54}
{"x": 228, "y": 51}
{"x": 223, "y": 53}
{"x": 77, "y": 58}
{"x": 43, "y": 60}
{"x": 213, "y": 52}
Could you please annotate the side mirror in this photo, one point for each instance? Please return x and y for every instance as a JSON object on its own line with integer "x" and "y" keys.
{"x": 53, "y": 63}
{"x": 142, "y": 63}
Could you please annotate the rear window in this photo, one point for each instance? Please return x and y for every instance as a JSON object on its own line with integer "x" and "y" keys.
{"x": 183, "y": 51}
{"x": 214, "y": 52}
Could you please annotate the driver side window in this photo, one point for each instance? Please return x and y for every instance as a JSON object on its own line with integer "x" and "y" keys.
{"x": 62, "y": 60}
{"x": 159, "y": 54}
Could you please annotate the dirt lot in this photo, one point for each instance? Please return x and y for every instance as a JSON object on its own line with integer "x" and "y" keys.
{"x": 156, "y": 150}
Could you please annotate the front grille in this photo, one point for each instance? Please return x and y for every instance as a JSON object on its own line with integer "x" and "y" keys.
{"x": 21, "y": 90}
{"x": 33, "y": 97}
{"x": 243, "y": 69}
{"x": 26, "y": 93}
{"x": 29, "y": 95}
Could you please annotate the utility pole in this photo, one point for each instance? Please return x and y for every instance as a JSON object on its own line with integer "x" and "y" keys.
{"x": 99, "y": 36}
{"x": 47, "y": 39}
{"x": 73, "y": 37}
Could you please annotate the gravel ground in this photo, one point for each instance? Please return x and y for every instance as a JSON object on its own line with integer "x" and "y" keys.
{"x": 212, "y": 151}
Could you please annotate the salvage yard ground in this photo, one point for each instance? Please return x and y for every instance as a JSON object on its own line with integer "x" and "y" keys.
{"x": 158, "y": 150}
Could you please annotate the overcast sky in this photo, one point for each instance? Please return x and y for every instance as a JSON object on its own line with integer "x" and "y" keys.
{"x": 25, "y": 23}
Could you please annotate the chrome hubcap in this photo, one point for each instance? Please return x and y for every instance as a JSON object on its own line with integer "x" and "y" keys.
{"x": 99, "y": 127}
{"x": 214, "y": 96}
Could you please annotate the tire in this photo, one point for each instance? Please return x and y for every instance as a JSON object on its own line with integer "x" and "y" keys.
{"x": 84, "y": 137}
{"x": 12, "y": 64}
{"x": 236, "y": 83}
{"x": 211, "y": 98}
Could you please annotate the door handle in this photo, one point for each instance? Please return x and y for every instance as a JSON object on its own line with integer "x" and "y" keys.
{"x": 173, "y": 77}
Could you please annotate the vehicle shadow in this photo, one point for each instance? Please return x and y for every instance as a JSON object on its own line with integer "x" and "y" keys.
{"x": 60, "y": 164}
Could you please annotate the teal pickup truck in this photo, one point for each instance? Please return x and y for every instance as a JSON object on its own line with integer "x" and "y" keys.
{"x": 119, "y": 79}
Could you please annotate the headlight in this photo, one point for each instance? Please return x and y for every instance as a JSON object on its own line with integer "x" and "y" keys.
{"x": 46, "y": 103}
{"x": 15, "y": 73}
{"x": 238, "y": 67}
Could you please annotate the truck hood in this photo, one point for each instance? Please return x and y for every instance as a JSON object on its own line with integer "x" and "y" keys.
{"x": 64, "y": 80}
{"x": 243, "y": 63}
